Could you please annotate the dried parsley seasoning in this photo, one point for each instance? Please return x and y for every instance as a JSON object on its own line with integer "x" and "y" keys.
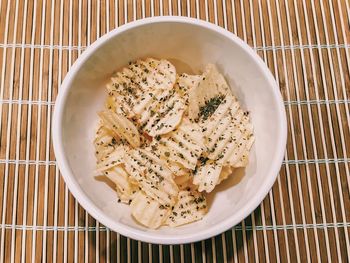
{"x": 220, "y": 156}
{"x": 160, "y": 126}
{"x": 203, "y": 160}
{"x": 181, "y": 155}
{"x": 154, "y": 148}
{"x": 210, "y": 107}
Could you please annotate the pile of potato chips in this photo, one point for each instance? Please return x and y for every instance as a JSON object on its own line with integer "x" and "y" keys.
{"x": 165, "y": 139}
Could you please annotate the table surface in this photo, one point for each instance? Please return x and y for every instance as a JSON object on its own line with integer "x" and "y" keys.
{"x": 306, "y": 215}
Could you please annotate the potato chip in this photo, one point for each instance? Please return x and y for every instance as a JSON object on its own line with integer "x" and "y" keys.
{"x": 153, "y": 176}
{"x": 243, "y": 161}
{"x": 190, "y": 207}
{"x": 103, "y": 136}
{"x": 162, "y": 152}
{"x": 104, "y": 143}
{"x": 239, "y": 156}
{"x": 121, "y": 126}
{"x": 162, "y": 113}
{"x": 224, "y": 134}
{"x": 145, "y": 88}
{"x": 114, "y": 158}
{"x": 176, "y": 168}
{"x": 226, "y": 171}
{"x": 207, "y": 175}
{"x": 185, "y": 83}
{"x": 148, "y": 211}
{"x": 131, "y": 83}
{"x": 212, "y": 85}
{"x": 184, "y": 145}
{"x": 167, "y": 116}
{"x": 182, "y": 181}
{"x": 124, "y": 95}
{"x": 111, "y": 103}
{"x": 102, "y": 151}
{"x": 155, "y": 74}
{"x": 228, "y": 104}
{"x": 165, "y": 139}
{"x": 228, "y": 133}
{"x": 125, "y": 186}
{"x": 231, "y": 139}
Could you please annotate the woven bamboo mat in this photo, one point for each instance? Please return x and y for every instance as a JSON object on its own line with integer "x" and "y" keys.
{"x": 305, "y": 217}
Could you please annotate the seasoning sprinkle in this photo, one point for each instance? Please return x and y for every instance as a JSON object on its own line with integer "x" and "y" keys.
{"x": 210, "y": 107}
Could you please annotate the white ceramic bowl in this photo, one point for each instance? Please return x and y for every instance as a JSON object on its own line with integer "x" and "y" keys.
{"x": 189, "y": 44}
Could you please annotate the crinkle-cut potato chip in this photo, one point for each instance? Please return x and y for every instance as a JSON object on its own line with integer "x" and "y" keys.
{"x": 207, "y": 175}
{"x": 125, "y": 186}
{"x": 111, "y": 103}
{"x": 159, "y": 112}
{"x": 112, "y": 159}
{"x": 229, "y": 103}
{"x": 243, "y": 161}
{"x": 185, "y": 83}
{"x": 166, "y": 140}
{"x": 229, "y": 134}
{"x": 184, "y": 145}
{"x": 212, "y": 85}
{"x": 102, "y": 151}
{"x": 190, "y": 207}
{"x": 226, "y": 171}
{"x": 131, "y": 83}
{"x": 176, "y": 168}
{"x": 155, "y": 74}
{"x": 145, "y": 89}
{"x": 148, "y": 211}
{"x": 121, "y": 126}
{"x": 104, "y": 143}
{"x": 103, "y": 136}
{"x": 153, "y": 176}
{"x": 237, "y": 158}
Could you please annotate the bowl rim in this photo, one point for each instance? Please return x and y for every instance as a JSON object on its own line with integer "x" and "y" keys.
{"x": 153, "y": 237}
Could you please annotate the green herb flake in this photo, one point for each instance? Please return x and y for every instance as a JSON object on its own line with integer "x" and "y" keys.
{"x": 210, "y": 107}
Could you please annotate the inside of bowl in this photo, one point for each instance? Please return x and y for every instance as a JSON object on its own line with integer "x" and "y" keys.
{"x": 189, "y": 47}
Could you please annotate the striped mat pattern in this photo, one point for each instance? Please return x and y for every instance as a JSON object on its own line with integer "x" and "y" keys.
{"x": 304, "y": 218}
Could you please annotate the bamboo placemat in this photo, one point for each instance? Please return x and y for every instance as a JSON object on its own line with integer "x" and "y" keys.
{"x": 305, "y": 217}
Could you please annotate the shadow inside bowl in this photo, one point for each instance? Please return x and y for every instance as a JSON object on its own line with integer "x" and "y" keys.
{"x": 233, "y": 179}
{"x": 182, "y": 67}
